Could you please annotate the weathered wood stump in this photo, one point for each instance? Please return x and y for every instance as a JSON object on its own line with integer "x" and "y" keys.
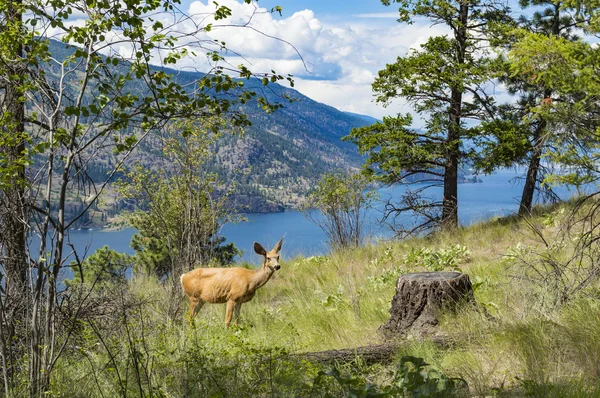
{"x": 419, "y": 299}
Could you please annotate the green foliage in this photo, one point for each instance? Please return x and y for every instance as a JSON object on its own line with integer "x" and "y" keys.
{"x": 341, "y": 201}
{"x": 510, "y": 141}
{"x": 549, "y": 61}
{"x": 104, "y": 268}
{"x": 337, "y": 300}
{"x": 395, "y": 152}
{"x": 413, "y": 378}
{"x": 353, "y": 386}
{"x": 179, "y": 216}
{"x": 386, "y": 278}
{"x": 553, "y": 121}
{"x": 586, "y": 12}
{"x": 569, "y": 72}
{"x": 437, "y": 260}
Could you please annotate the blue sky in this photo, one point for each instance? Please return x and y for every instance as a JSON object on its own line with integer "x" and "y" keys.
{"x": 334, "y": 48}
{"x": 330, "y": 9}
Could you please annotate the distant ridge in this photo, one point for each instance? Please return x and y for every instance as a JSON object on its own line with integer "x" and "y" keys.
{"x": 279, "y": 158}
{"x": 369, "y": 119}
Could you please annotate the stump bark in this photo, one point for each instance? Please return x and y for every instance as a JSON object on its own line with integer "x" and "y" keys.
{"x": 419, "y": 299}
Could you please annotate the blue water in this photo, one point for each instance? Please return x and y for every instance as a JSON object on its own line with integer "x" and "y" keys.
{"x": 495, "y": 196}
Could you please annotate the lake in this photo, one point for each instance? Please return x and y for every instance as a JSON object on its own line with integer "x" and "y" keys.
{"x": 495, "y": 196}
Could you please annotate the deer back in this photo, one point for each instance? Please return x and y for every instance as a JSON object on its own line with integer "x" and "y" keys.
{"x": 218, "y": 285}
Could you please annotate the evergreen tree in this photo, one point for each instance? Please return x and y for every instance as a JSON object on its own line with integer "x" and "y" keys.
{"x": 529, "y": 130}
{"x": 444, "y": 81}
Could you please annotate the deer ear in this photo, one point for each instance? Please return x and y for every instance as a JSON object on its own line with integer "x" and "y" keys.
{"x": 277, "y": 246}
{"x": 259, "y": 249}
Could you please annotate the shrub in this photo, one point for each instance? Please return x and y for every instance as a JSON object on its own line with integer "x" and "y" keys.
{"x": 341, "y": 202}
{"x": 437, "y": 260}
{"x": 413, "y": 378}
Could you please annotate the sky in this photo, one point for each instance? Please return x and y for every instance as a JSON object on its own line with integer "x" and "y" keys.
{"x": 334, "y": 48}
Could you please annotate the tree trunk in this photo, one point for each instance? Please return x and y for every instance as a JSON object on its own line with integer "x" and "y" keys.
{"x": 14, "y": 221}
{"x": 13, "y": 213}
{"x": 450, "y": 199}
{"x": 419, "y": 299}
{"x": 371, "y": 354}
{"x": 532, "y": 173}
{"x": 538, "y": 140}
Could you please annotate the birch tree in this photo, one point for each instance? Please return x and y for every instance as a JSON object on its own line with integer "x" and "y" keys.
{"x": 63, "y": 104}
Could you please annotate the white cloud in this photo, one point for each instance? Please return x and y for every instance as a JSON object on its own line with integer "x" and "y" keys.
{"x": 354, "y": 50}
{"x": 348, "y": 97}
{"x": 333, "y": 62}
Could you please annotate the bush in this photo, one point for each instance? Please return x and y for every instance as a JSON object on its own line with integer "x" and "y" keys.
{"x": 341, "y": 201}
{"x": 413, "y": 378}
{"x": 104, "y": 268}
{"x": 437, "y": 260}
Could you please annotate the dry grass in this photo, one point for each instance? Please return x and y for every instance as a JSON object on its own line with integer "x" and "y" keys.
{"x": 340, "y": 301}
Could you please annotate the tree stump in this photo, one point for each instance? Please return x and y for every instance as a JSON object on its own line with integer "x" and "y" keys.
{"x": 419, "y": 299}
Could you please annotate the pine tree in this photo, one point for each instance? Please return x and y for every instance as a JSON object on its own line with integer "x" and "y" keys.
{"x": 444, "y": 81}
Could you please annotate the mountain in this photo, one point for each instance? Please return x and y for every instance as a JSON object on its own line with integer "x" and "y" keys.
{"x": 289, "y": 150}
{"x": 368, "y": 119}
{"x": 280, "y": 157}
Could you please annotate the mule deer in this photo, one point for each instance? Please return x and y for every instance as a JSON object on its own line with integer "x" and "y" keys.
{"x": 233, "y": 286}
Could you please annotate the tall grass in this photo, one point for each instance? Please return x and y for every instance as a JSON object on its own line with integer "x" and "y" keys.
{"x": 518, "y": 346}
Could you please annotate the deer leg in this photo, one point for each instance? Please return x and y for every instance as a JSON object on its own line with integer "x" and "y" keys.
{"x": 195, "y": 305}
{"x": 230, "y": 305}
{"x": 236, "y": 312}
{"x": 198, "y": 307}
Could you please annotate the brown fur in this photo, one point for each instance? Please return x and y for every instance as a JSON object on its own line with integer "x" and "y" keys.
{"x": 233, "y": 286}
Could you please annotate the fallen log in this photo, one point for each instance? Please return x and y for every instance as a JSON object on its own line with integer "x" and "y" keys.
{"x": 384, "y": 353}
{"x": 371, "y": 354}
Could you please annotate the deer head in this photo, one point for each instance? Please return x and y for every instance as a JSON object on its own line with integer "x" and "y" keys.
{"x": 271, "y": 258}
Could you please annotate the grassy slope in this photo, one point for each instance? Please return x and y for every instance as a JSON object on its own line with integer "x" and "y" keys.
{"x": 339, "y": 301}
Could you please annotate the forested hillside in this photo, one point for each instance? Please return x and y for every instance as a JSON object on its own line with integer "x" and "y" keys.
{"x": 276, "y": 160}
{"x": 284, "y": 153}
